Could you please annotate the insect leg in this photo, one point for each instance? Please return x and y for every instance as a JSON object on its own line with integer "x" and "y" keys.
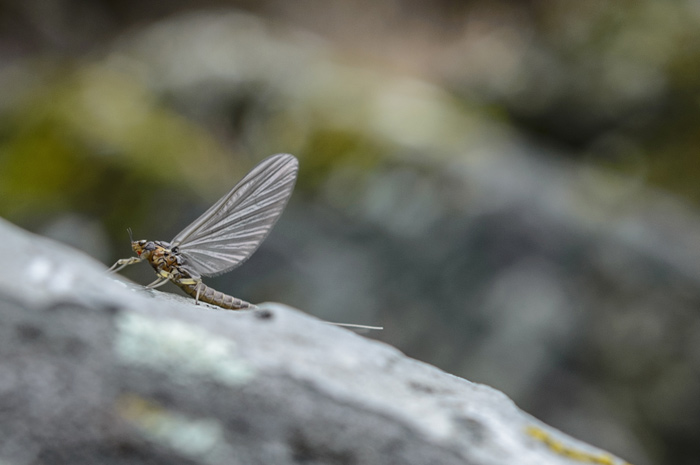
{"x": 197, "y": 285}
{"x": 199, "y": 288}
{"x": 121, "y": 263}
{"x": 163, "y": 277}
{"x": 157, "y": 283}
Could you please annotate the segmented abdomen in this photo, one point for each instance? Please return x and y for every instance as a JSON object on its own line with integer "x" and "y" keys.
{"x": 214, "y": 297}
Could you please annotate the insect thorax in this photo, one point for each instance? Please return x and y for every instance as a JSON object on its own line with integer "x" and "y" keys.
{"x": 162, "y": 257}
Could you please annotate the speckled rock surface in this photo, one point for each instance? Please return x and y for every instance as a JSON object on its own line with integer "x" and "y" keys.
{"x": 94, "y": 369}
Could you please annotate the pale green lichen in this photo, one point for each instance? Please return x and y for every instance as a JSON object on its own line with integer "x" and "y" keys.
{"x": 203, "y": 439}
{"x": 182, "y": 351}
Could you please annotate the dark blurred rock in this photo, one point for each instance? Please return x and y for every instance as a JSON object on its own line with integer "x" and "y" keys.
{"x": 96, "y": 370}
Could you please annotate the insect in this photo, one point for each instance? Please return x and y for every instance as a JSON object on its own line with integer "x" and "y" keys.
{"x": 224, "y": 236}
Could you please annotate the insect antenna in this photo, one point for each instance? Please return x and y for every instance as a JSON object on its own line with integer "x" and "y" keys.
{"x": 131, "y": 236}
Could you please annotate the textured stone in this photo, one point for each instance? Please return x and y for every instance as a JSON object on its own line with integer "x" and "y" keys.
{"x": 95, "y": 369}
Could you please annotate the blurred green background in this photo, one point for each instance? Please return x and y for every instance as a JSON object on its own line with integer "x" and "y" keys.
{"x": 510, "y": 188}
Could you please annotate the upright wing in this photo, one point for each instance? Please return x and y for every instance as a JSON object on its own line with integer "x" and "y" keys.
{"x": 233, "y": 228}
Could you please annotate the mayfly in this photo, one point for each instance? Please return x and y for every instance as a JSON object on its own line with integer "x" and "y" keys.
{"x": 224, "y": 236}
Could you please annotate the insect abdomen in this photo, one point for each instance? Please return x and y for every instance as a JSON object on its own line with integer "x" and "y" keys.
{"x": 214, "y": 297}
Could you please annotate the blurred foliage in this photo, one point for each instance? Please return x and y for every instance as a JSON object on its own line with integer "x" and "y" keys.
{"x": 488, "y": 180}
{"x": 94, "y": 142}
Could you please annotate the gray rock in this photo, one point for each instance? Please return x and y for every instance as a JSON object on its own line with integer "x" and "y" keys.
{"x": 97, "y": 370}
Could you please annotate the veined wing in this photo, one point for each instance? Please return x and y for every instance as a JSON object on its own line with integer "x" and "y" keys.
{"x": 233, "y": 228}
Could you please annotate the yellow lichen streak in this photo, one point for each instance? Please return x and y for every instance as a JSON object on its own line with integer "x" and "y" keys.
{"x": 572, "y": 453}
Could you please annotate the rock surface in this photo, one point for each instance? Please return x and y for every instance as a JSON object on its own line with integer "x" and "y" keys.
{"x": 94, "y": 369}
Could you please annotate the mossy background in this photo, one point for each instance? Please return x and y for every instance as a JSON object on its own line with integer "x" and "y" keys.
{"x": 510, "y": 188}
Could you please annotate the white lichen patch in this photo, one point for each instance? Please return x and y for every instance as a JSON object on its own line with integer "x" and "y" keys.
{"x": 180, "y": 350}
{"x": 39, "y": 270}
{"x": 50, "y": 276}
